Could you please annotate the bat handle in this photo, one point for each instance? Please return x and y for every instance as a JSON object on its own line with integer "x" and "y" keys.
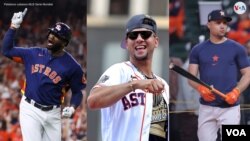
{"x": 219, "y": 93}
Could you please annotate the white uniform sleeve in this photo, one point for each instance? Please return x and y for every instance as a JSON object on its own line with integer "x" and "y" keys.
{"x": 114, "y": 75}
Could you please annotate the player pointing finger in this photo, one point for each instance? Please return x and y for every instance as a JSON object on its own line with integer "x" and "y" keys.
{"x": 47, "y": 70}
{"x": 17, "y": 19}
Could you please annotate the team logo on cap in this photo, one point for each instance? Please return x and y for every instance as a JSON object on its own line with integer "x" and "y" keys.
{"x": 58, "y": 27}
{"x": 240, "y": 7}
{"x": 222, "y": 13}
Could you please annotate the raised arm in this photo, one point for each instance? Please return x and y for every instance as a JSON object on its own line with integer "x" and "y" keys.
{"x": 8, "y": 41}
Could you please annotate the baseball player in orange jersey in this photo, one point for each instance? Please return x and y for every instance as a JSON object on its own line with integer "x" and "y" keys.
{"x": 125, "y": 92}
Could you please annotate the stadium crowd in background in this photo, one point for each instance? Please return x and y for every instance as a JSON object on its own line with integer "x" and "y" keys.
{"x": 240, "y": 29}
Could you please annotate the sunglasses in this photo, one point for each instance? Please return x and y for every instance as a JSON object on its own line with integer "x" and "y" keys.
{"x": 144, "y": 34}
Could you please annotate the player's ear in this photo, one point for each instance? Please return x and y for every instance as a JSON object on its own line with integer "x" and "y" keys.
{"x": 126, "y": 43}
{"x": 156, "y": 41}
{"x": 208, "y": 25}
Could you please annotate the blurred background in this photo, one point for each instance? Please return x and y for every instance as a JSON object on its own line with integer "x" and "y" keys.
{"x": 33, "y": 32}
{"x": 187, "y": 27}
{"x": 106, "y": 20}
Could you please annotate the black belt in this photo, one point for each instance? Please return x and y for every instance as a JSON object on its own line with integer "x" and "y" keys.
{"x": 39, "y": 106}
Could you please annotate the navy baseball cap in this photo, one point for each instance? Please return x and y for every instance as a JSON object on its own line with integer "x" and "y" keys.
{"x": 139, "y": 21}
{"x": 218, "y": 15}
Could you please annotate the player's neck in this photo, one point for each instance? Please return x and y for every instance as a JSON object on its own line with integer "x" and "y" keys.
{"x": 217, "y": 40}
{"x": 144, "y": 68}
{"x": 57, "y": 53}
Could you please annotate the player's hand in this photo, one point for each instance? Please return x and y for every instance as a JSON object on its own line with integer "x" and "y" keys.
{"x": 154, "y": 86}
{"x": 232, "y": 96}
{"x": 68, "y": 112}
{"x": 17, "y": 19}
{"x": 205, "y": 93}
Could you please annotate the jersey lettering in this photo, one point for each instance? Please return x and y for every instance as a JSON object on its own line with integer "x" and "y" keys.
{"x": 134, "y": 99}
{"x": 57, "y": 79}
{"x": 40, "y": 68}
{"x": 47, "y": 71}
{"x": 52, "y": 75}
{"x": 35, "y": 68}
{"x": 142, "y": 96}
{"x": 126, "y": 103}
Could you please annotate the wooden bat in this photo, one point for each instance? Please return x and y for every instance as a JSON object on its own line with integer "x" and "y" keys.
{"x": 190, "y": 76}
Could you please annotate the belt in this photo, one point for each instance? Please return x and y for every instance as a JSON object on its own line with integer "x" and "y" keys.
{"x": 39, "y": 106}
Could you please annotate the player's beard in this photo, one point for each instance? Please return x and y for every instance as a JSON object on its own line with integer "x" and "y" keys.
{"x": 141, "y": 58}
{"x": 56, "y": 47}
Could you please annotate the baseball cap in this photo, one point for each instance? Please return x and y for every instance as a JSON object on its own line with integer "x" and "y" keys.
{"x": 218, "y": 15}
{"x": 139, "y": 21}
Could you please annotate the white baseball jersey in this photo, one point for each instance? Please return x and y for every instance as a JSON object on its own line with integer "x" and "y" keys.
{"x": 128, "y": 119}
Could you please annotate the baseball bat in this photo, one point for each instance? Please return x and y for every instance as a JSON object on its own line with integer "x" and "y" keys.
{"x": 190, "y": 76}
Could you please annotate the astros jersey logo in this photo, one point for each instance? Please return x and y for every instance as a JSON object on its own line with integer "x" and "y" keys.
{"x": 215, "y": 59}
{"x": 40, "y": 68}
{"x": 133, "y": 99}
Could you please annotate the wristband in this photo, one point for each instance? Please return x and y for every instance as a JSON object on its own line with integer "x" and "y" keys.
{"x": 132, "y": 87}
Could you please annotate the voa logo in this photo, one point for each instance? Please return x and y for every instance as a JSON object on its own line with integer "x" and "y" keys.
{"x": 236, "y": 132}
{"x": 240, "y": 7}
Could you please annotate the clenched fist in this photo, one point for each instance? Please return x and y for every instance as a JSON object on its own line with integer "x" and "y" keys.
{"x": 154, "y": 86}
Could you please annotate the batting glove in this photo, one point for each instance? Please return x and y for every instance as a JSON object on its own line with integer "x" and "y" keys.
{"x": 68, "y": 112}
{"x": 205, "y": 93}
{"x": 17, "y": 19}
{"x": 232, "y": 96}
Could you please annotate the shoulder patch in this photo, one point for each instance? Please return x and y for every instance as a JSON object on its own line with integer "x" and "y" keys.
{"x": 103, "y": 79}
